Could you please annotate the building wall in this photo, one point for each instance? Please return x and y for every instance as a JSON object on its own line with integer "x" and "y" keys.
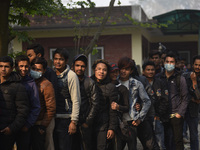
{"x": 115, "y": 46}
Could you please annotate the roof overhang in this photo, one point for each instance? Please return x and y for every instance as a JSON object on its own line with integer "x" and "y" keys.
{"x": 180, "y": 22}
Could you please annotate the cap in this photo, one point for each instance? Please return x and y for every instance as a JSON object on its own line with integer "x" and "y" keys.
{"x": 113, "y": 67}
{"x": 81, "y": 57}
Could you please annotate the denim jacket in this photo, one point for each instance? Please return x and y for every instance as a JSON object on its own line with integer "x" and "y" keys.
{"x": 137, "y": 93}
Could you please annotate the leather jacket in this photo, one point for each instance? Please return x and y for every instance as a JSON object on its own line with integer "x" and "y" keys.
{"x": 109, "y": 94}
{"x": 47, "y": 102}
{"x": 89, "y": 101}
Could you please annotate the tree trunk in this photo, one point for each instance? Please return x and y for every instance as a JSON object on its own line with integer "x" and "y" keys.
{"x": 4, "y": 7}
{"x": 100, "y": 29}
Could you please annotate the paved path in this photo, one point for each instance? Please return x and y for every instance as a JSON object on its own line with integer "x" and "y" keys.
{"x": 186, "y": 145}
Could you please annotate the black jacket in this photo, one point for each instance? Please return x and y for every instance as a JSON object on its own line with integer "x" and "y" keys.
{"x": 123, "y": 98}
{"x": 193, "y": 108}
{"x": 14, "y": 103}
{"x": 89, "y": 101}
{"x": 161, "y": 104}
{"x": 109, "y": 94}
{"x": 177, "y": 94}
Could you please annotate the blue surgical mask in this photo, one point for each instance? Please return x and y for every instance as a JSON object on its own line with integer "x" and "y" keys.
{"x": 35, "y": 74}
{"x": 169, "y": 67}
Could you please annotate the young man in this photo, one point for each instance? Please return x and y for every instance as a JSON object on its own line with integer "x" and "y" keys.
{"x": 14, "y": 104}
{"x": 22, "y": 67}
{"x": 155, "y": 56}
{"x": 137, "y": 93}
{"x": 191, "y": 115}
{"x": 33, "y": 51}
{"x": 178, "y": 100}
{"x": 47, "y": 102}
{"x": 36, "y": 50}
{"x": 181, "y": 64}
{"x": 68, "y": 101}
{"x": 106, "y": 121}
{"x": 149, "y": 118}
{"x": 161, "y": 101}
{"x": 122, "y": 106}
{"x": 90, "y": 99}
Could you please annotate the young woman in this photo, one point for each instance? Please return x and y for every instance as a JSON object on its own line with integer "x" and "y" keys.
{"x": 105, "y": 122}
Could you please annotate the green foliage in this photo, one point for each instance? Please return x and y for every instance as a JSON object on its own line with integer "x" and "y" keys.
{"x": 20, "y": 8}
{"x": 95, "y": 50}
{"x": 15, "y": 54}
{"x": 22, "y": 35}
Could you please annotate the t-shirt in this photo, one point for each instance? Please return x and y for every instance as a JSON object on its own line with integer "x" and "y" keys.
{"x": 125, "y": 83}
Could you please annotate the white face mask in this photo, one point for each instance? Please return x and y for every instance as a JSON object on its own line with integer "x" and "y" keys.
{"x": 169, "y": 67}
{"x": 35, "y": 74}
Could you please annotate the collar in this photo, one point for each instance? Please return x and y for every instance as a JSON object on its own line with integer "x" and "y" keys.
{"x": 64, "y": 72}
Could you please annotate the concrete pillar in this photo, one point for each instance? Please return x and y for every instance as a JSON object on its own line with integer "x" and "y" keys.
{"x": 199, "y": 42}
{"x": 17, "y": 46}
{"x": 137, "y": 47}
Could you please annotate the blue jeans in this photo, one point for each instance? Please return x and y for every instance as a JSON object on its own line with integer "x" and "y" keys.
{"x": 62, "y": 139}
{"x": 193, "y": 129}
{"x": 159, "y": 133}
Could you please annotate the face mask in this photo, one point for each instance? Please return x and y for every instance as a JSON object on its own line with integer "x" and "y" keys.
{"x": 169, "y": 67}
{"x": 35, "y": 74}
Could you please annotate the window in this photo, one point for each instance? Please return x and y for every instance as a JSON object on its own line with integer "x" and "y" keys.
{"x": 72, "y": 54}
{"x": 185, "y": 55}
{"x": 92, "y": 58}
{"x": 51, "y": 53}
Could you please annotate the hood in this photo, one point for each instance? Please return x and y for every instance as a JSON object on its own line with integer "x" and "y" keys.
{"x": 105, "y": 81}
{"x": 14, "y": 77}
{"x": 27, "y": 79}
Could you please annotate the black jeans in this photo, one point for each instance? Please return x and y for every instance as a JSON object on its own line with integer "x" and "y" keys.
{"x": 7, "y": 141}
{"x": 146, "y": 135}
{"x": 23, "y": 140}
{"x": 82, "y": 139}
{"x": 177, "y": 128}
{"x": 174, "y": 134}
{"x": 99, "y": 136}
{"x": 120, "y": 140}
{"x": 86, "y": 137}
{"x": 37, "y": 139}
{"x": 62, "y": 139}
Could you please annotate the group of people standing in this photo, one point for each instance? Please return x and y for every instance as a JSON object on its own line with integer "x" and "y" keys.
{"x": 63, "y": 109}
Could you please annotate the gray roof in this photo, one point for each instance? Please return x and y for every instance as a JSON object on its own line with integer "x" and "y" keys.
{"x": 87, "y": 17}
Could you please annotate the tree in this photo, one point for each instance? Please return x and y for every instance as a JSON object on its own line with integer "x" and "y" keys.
{"x": 100, "y": 29}
{"x": 13, "y": 12}
{"x": 4, "y": 6}
{"x": 16, "y": 12}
